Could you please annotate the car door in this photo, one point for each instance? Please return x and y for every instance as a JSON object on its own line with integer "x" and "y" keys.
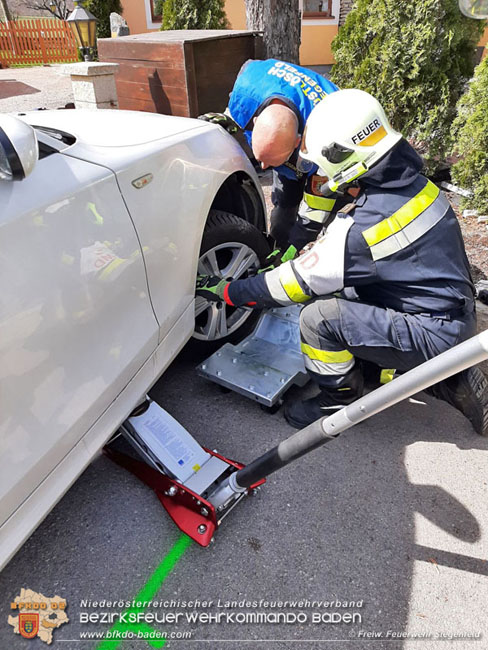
{"x": 76, "y": 322}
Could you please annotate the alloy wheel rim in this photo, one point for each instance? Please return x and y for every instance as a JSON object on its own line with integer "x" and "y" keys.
{"x": 232, "y": 260}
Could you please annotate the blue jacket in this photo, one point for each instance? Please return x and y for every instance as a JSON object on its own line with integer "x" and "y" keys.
{"x": 399, "y": 245}
{"x": 259, "y": 82}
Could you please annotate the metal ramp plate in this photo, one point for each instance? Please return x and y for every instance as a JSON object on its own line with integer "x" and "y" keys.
{"x": 265, "y": 364}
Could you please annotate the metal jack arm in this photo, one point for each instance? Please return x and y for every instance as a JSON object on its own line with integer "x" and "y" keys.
{"x": 459, "y": 358}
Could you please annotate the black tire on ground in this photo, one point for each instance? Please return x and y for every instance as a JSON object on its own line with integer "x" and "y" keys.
{"x": 226, "y": 239}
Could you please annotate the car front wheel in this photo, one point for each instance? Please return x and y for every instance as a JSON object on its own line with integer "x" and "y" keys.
{"x": 233, "y": 249}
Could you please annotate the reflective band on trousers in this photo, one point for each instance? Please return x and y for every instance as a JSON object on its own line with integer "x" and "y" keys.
{"x": 319, "y": 202}
{"x": 283, "y": 285}
{"x": 324, "y": 355}
{"x": 407, "y": 224}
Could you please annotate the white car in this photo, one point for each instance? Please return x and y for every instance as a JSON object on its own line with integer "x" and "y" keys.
{"x": 104, "y": 216}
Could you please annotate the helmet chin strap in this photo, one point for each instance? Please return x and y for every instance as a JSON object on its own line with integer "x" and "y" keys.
{"x": 340, "y": 181}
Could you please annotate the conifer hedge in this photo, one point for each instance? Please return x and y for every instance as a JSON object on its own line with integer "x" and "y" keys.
{"x": 415, "y": 57}
{"x": 102, "y": 9}
{"x": 194, "y": 14}
{"x": 470, "y": 137}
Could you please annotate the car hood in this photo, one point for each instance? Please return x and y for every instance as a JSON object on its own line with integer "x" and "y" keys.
{"x": 112, "y": 128}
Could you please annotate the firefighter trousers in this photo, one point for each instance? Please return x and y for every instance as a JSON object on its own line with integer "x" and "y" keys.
{"x": 336, "y": 331}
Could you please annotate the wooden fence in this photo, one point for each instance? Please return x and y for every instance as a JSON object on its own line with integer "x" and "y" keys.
{"x": 40, "y": 40}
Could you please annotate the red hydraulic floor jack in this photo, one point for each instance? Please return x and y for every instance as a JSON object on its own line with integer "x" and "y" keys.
{"x": 199, "y": 487}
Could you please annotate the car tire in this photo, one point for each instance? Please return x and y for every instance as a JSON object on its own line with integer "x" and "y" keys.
{"x": 234, "y": 249}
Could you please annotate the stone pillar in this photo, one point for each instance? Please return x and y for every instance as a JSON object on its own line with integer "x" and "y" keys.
{"x": 93, "y": 84}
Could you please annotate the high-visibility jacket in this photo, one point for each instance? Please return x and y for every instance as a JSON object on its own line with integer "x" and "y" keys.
{"x": 259, "y": 82}
{"x": 399, "y": 245}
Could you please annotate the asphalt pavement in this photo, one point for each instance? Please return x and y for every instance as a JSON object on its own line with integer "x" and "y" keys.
{"x": 378, "y": 539}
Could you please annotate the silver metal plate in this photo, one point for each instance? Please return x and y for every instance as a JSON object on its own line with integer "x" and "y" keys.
{"x": 266, "y": 363}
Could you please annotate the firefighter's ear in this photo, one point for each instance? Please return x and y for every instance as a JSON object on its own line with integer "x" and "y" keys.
{"x": 298, "y": 140}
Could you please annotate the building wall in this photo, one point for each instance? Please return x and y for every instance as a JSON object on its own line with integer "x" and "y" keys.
{"x": 137, "y": 14}
{"x": 236, "y": 13}
{"x": 317, "y": 34}
{"x": 315, "y": 46}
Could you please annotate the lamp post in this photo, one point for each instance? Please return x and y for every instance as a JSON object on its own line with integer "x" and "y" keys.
{"x": 83, "y": 24}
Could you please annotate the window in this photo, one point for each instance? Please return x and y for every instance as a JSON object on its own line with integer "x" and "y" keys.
{"x": 317, "y": 9}
{"x": 156, "y": 10}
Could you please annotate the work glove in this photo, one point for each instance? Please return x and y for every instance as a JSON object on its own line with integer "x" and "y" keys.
{"x": 211, "y": 287}
{"x": 223, "y": 120}
{"x": 277, "y": 257}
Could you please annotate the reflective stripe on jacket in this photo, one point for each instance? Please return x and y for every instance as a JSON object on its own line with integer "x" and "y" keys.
{"x": 400, "y": 248}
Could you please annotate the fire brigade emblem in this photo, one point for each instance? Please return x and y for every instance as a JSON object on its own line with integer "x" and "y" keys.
{"x": 36, "y": 615}
{"x": 316, "y": 183}
{"x": 28, "y": 625}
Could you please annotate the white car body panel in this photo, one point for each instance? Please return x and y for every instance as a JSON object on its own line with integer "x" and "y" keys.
{"x": 99, "y": 296}
{"x": 117, "y": 129}
{"x": 195, "y": 164}
{"x": 187, "y": 172}
{"x": 65, "y": 352}
{"x": 35, "y": 508}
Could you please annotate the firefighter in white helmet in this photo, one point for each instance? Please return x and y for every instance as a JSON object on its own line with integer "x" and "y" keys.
{"x": 398, "y": 244}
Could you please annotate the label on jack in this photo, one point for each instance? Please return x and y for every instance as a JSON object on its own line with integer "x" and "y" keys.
{"x": 171, "y": 443}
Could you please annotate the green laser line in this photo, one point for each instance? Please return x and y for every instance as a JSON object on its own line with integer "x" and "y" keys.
{"x": 148, "y": 592}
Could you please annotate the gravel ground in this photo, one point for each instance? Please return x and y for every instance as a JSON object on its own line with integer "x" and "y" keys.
{"x": 26, "y": 89}
{"x": 476, "y": 241}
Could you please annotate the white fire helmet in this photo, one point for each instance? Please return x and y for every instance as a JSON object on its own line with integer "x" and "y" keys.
{"x": 345, "y": 135}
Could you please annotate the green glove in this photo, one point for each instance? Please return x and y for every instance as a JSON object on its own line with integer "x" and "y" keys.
{"x": 223, "y": 120}
{"x": 277, "y": 257}
{"x": 211, "y": 287}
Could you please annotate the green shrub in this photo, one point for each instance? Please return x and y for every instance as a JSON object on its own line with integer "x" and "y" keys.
{"x": 414, "y": 56}
{"x": 470, "y": 136}
{"x": 102, "y": 9}
{"x": 194, "y": 14}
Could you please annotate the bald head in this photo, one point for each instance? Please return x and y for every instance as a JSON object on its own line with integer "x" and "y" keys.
{"x": 275, "y": 135}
